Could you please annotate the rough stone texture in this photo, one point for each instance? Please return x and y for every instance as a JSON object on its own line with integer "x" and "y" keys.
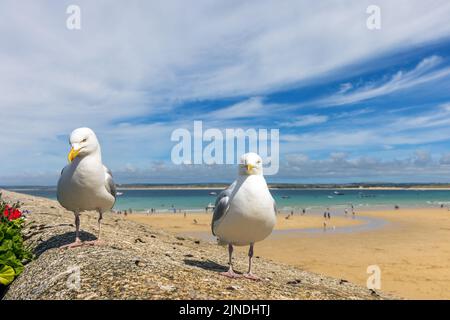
{"x": 139, "y": 262}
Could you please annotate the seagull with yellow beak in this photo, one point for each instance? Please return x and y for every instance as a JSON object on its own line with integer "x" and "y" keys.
{"x": 85, "y": 184}
{"x": 245, "y": 212}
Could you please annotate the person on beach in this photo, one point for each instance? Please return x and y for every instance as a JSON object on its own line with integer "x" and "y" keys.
{"x": 185, "y": 214}
{"x": 303, "y": 212}
{"x": 325, "y": 215}
{"x": 346, "y": 212}
{"x": 329, "y": 215}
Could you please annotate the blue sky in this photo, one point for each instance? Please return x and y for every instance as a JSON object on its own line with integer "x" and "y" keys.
{"x": 352, "y": 104}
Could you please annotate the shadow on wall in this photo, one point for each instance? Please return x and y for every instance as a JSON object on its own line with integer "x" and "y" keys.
{"x": 61, "y": 240}
{"x": 207, "y": 265}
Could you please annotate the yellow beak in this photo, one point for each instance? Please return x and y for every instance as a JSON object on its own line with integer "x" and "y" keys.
{"x": 73, "y": 154}
{"x": 249, "y": 167}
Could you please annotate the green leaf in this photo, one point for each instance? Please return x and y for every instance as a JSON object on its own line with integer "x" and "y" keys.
{"x": 6, "y": 245}
{"x": 6, "y": 275}
{"x": 18, "y": 270}
{"x": 10, "y": 232}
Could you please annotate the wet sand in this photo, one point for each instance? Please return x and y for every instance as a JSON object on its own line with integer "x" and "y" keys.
{"x": 412, "y": 248}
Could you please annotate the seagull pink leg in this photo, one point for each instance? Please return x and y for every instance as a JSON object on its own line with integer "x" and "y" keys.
{"x": 77, "y": 242}
{"x": 230, "y": 273}
{"x": 249, "y": 274}
{"x": 98, "y": 241}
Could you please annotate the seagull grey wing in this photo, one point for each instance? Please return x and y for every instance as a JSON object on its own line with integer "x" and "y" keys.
{"x": 220, "y": 209}
{"x": 62, "y": 171}
{"x": 59, "y": 186}
{"x": 109, "y": 182}
{"x": 222, "y": 205}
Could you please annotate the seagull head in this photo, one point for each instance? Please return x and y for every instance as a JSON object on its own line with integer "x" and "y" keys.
{"x": 83, "y": 142}
{"x": 250, "y": 164}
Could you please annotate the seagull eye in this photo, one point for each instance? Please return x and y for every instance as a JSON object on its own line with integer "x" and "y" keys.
{"x": 84, "y": 140}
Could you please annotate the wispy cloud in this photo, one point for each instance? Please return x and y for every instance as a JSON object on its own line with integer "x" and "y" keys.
{"x": 437, "y": 117}
{"x": 376, "y": 136}
{"x": 424, "y": 72}
{"x": 253, "y": 107}
{"x": 306, "y": 120}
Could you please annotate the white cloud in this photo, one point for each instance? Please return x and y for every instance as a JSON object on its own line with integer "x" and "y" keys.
{"x": 252, "y": 107}
{"x": 361, "y": 138}
{"x": 437, "y": 117}
{"x": 344, "y": 87}
{"x": 419, "y": 166}
{"x": 401, "y": 80}
{"x": 306, "y": 120}
{"x": 445, "y": 159}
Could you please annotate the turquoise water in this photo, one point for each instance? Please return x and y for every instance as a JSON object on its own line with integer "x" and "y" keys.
{"x": 312, "y": 200}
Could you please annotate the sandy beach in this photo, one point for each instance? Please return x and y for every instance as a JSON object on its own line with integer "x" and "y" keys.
{"x": 179, "y": 224}
{"x": 412, "y": 248}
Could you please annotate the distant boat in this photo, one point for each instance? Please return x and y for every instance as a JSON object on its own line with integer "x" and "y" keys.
{"x": 338, "y": 193}
{"x": 213, "y": 193}
{"x": 119, "y": 194}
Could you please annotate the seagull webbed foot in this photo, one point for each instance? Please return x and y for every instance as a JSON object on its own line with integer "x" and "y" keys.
{"x": 231, "y": 274}
{"x": 76, "y": 244}
{"x": 251, "y": 276}
{"x": 97, "y": 242}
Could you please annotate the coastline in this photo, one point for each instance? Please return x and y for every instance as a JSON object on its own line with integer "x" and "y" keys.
{"x": 287, "y": 188}
{"x": 200, "y": 187}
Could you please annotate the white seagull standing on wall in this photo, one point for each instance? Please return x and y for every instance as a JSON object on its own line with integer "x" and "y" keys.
{"x": 245, "y": 212}
{"x": 85, "y": 184}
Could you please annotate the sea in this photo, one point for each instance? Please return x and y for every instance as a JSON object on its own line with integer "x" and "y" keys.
{"x": 312, "y": 200}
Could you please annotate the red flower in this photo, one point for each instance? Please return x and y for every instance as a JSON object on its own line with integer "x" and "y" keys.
{"x": 11, "y": 213}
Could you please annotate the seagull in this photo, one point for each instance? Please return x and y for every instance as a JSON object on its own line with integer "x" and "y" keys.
{"x": 245, "y": 212}
{"x": 86, "y": 184}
